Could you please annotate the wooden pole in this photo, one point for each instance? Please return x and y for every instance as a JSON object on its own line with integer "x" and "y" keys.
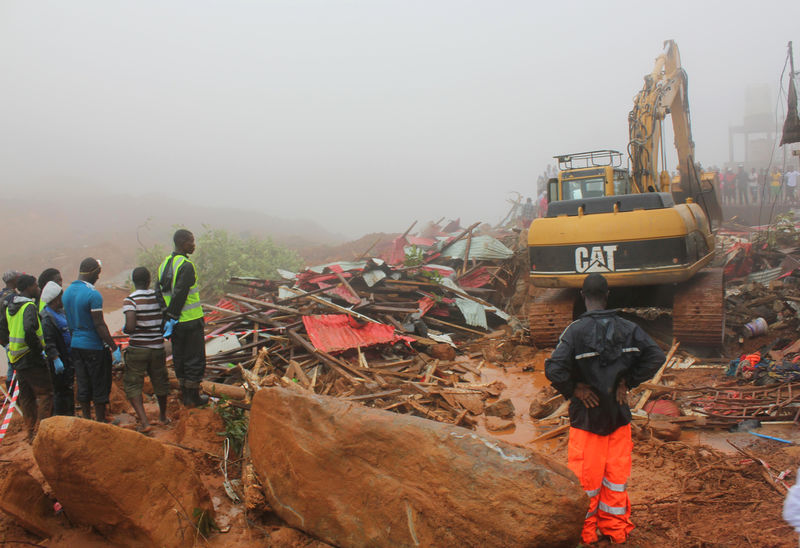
{"x": 466, "y": 253}
{"x": 552, "y": 433}
{"x": 646, "y": 394}
{"x": 347, "y": 285}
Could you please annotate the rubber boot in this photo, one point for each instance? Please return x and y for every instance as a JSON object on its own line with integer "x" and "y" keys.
{"x": 100, "y": 412}
{"x": 193, "y": 398}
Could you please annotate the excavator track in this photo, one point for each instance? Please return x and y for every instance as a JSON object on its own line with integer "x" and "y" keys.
{"x": 698, "y": 311}
{"x": 549, "y": 314}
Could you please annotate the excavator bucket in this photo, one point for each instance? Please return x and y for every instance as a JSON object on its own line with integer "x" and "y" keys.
{"x": 701, "y": 188}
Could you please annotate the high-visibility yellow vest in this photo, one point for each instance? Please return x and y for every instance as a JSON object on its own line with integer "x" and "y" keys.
{"x": 17, "y": 347}
{"x": 192, "y": 309}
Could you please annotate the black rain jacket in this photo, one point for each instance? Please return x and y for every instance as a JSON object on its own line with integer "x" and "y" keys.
{"x": 55, "y": 345}
{"x": 599, "y": 349}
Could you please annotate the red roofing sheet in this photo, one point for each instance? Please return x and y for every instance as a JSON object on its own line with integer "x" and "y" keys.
{"x": 333, "y": 332}
{"x": 342, "y": 292}
{"x": 395, "y": 254}
{"x": 477, "y": 278}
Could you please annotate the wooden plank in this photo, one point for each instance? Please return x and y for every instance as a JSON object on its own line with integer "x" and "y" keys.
{"x": 466, "y": 253}
{"x": 324, "y": 356}
{"x": 218, "y": 389}
{"x": 552, "y": 433}
{"x": 646, "y": 394}
{"x": 263, "y": 304}
{"x": 294, "y": 370}
{"x": 340, "y": 309}
{"x": 454, "y": 326}
{"x": 347, "y": 285}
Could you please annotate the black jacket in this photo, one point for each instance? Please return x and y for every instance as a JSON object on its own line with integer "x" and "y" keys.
{"x": 54, "y": 343}
{"x": 185, "y": 278}
{"x": 599, "y": 349}
{"x": 30, "y": 323}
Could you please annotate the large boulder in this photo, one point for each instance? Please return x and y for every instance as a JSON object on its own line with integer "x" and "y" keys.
{"x": 355, "y": 476}
{"x": 133, "y": 490}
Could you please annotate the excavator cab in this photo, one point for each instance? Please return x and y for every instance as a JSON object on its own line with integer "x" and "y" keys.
{"x": 591, "y": 174}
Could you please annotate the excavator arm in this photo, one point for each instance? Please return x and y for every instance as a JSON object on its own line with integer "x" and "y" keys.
{"x": 665, "y": 92}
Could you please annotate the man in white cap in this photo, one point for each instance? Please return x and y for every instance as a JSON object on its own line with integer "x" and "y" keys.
{"x": 57, "y": 340}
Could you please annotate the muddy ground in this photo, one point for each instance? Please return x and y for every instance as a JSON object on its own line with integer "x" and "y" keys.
{"x": 697, "y": 491}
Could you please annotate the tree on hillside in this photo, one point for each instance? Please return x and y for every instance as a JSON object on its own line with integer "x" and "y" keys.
{"x": 220, "y": 255}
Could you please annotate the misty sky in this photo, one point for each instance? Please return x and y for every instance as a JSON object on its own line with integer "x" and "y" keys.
{"x": 361, "y": 115}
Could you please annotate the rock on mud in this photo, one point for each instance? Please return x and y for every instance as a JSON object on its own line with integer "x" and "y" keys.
{"x": 355, "y": 476}
{"x": 503, "y": 409}
{"x": 22, "y": 498}
{"x": 496, "y": 424}
{"x": 133, "y": 490}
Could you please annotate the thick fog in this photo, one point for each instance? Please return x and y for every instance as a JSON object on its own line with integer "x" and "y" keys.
{"x": 361, "y": 116}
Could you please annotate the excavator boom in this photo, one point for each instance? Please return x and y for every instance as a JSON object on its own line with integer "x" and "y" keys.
{"x": 665, "y": 92}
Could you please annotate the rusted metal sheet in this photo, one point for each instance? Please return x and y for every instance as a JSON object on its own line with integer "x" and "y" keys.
{"x": 334, "y": 332}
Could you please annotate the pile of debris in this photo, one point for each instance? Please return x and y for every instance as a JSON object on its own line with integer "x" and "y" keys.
{"x": 382, "y": 331}
{"x": 762, "y": 271}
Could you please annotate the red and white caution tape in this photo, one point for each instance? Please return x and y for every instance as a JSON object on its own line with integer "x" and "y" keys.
{"x": 7, "y": 418}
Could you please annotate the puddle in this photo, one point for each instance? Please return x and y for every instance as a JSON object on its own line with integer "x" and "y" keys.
{"x": 521, "y": 387}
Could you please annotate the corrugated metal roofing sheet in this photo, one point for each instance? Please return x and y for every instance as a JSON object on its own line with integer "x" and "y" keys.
{"x": 340, "y": 266}
{"x": 474, "y": 313}
{"x": 765, "y": 276}
{"x": 334, "y": 332}
{"x": 481, "y": 248}
{"x": 372, "y": 277}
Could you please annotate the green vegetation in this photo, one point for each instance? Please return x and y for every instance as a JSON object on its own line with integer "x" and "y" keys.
{"x": 236, "y": 422}
{"x": 416, "y": 257}
{"x": 204, "y": 523}
{"x": 220, "y": 255}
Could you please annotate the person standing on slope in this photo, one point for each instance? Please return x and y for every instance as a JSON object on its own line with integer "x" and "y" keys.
{"x": 178, "y": 288}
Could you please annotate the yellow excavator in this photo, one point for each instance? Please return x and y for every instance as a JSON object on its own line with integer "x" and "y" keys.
{"x": 651, "y": 239}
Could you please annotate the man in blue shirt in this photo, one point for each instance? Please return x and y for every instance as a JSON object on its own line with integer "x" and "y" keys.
{"x": 92, "y": 344}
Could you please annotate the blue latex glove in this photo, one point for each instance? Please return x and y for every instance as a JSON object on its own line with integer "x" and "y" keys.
{"x": 116, "y": 356}
{"x": 169, "y": 327}
{"x": 58, "y": 365}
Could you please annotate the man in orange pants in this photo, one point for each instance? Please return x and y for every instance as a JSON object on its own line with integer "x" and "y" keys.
{"x": 600, "y": 357}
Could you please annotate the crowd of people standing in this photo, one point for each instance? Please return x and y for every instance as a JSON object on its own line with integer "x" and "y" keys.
{"x": 740, "y": 187}
{"x": 60, "y": 349}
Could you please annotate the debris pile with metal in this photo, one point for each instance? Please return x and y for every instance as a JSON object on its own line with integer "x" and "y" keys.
{"x": 382, "y": 331}
{"x": 762, "y": 271}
